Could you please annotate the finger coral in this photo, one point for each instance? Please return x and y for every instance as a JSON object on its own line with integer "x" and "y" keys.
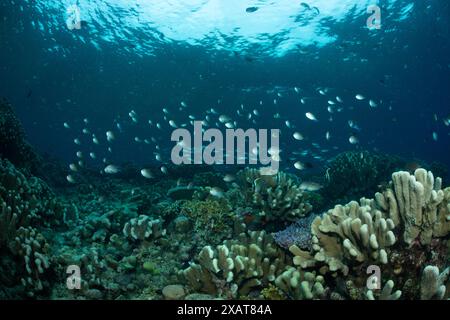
{"x": 301, "y": 285}
{"x": 233, "y": 268}
{"x": 386, "y": 293}
{"x": 23, "y": 202}
{"x": 143, "y": 228}
{"x": 417, "y": 204}
{"x": 433, "y": 283}
{"x": 346, "y": 234}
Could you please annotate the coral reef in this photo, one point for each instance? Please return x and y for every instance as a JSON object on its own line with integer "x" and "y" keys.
{"x": 13, "y": 144}
{"x": 132, "y": 239}
{"x": 394, "y": 231}
{"x": 24, "y": 250}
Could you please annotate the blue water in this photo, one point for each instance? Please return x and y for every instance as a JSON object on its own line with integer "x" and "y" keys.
{"x": 149, "y": 55}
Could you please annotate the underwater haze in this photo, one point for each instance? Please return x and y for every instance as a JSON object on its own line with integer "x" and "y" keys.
{"x": 103, "y": 196}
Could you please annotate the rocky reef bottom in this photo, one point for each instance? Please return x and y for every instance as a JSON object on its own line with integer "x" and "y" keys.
{"x": 216, "y": 236}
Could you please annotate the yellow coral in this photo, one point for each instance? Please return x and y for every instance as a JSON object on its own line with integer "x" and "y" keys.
{"x": 272, "y": 293}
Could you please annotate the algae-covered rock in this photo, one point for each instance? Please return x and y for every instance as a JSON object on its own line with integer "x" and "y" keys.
{"x": 173, "y": 292}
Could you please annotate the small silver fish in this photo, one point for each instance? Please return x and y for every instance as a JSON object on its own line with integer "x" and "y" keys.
{"x": 111, "y": 169}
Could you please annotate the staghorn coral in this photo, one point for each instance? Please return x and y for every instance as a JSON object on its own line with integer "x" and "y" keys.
{"x": 277, "y": 198}
{"x": 143, "y": 228}
{"x": 235, "y": 267}
{"x": 301, "y": 285}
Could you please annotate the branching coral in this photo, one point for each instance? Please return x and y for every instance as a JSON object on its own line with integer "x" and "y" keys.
{"x": 24, "y": 203}
{"x": 33, "y": 248}
{"x": 347, "y": 234}
{"x": 277, "y": 198}
{"x": 301, "y": 285}
{"x": 235, "y": 267}
{"x": 364, "y": 232}
{"x": 398, "y": 232}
